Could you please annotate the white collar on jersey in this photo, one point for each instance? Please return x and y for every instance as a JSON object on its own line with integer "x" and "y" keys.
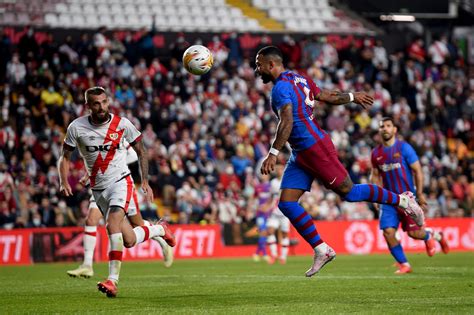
{"x": 94, "y": 124}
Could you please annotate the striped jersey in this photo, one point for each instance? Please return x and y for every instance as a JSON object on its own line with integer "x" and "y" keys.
{"x": 393, "y": 164}
{"x": 103, "y": 147}
{"x": 300, "y": 91}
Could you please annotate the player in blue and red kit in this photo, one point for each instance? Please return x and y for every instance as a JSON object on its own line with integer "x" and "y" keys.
{"x": 395, "y": 162}
{"x": 313, "y": 153}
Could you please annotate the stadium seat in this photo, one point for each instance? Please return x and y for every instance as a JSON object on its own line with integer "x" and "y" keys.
{"x": 64, "y": 20}
{"x": 75, "y": 9}
{"x": 119, "y": 20}
{"x": 116, "y": 9}
{"x": 102, "y": 8}
{"x": 89, "y": 8}
{"x": 129, "y": 9}
{"x": 61, "y": 8}
{"x": 170, "y": 10}
{"x": 51, "y": 19}
{"x": 155, "y": 8}
{"x": 145, "y": 9}
{"x": 195, "y": 10}
{"x": 253, "y": 24}
{"x": 182, "y": 10}
{"x": 78, "y": 21}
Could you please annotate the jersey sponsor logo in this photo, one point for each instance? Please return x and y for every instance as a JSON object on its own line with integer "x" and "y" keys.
{"x": 101, "y": 163}
{"x": 103, "y": 148}
{"x": 379, "y": 158}
{"x": 390, "y": 166}
{"x": 333, "y": 181}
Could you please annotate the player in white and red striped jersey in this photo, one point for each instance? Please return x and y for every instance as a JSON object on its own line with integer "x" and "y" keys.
{"x": 100, "y": 138}
{"x": 85, "y": 270}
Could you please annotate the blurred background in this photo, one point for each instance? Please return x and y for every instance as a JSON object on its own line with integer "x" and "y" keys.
{"x": 206, "y": 135}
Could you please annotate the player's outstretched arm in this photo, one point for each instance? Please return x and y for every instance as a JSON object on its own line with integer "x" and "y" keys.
{"x": 285, "y": 125}
{"x": 143, "y": 162}
{"x": 339, "y": 98}
{"x": 63, "y": 167}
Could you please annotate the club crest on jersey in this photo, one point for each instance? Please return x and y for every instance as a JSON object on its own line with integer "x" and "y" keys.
{"x": 396, "y": 155}
{"x": 113, "y": 136}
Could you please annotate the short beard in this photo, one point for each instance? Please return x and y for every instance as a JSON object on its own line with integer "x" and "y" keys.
{"x": 97, "y": 120}
{"x": 266, "y": 78}
{"x": 389, "y": 138}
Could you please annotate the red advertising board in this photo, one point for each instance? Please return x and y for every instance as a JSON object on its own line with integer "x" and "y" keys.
{"x": 365, "y": 237}
{"x": 25, "y": 246}
{"x": 15, "y": 247}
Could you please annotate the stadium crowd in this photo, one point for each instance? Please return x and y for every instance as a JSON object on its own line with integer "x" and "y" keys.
{"x": 206, "y": 135}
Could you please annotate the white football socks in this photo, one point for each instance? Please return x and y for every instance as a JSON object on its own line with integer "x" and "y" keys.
{"x": 321, "y": 248}
{"x": 89, "y": 241}
{"x": 271, "y": 241}
{"x": 143, "y": 233}
{"x": 115, "y": 256}
{"x": 285, "y": 246}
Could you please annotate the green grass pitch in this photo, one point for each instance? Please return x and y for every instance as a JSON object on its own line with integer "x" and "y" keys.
{"x": 350, "y": 284}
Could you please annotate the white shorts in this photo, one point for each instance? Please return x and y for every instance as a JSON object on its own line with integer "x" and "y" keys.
{"x": 121, "y": 194}
{"x": 281, "y": 222}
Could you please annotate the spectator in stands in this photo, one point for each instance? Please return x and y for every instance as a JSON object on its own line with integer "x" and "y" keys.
{"x": 16, "y": 71}
{"x": 438, "y": 51}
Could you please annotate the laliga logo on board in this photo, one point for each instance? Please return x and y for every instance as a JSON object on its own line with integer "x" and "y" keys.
{"x": 467, "y": 239}
{"x": 359, "y": 238}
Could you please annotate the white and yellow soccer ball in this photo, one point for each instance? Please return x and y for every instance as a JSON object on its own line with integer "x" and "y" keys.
{"x": 198, "y": 60}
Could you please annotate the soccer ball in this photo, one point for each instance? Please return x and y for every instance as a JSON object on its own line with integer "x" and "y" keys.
{"x": 198, "y": 60}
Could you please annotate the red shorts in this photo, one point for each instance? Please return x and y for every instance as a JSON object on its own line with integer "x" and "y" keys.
{"x": 322, "y": 162}
{"x": 408, "y": 224}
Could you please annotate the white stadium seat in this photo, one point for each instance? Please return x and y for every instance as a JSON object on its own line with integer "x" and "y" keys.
{"x": 61, "y": 8}
{"x": 74, "y": 9}
{"x": 65, "y": 20}
{"x": 51, "y": 19}
{"x": 89, "y": 8}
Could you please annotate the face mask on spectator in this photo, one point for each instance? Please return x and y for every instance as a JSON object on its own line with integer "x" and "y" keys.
{"x": 45, "y": 65}
{"x": 193, "y": 169}
{"x": 21, "y": 101}
{"x": 209, "y": 168}
{"x": 56, "y": 61}
{"x": 180, "y": 173}
{"x": 36, "y": 222}
{"x": 51, "y": 89}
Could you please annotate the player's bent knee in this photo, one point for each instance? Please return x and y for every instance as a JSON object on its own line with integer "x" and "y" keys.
{"x": 419, "y": 235}
{"x": 287, "y": 206}
{"x": 389, "y": 233}
{"x": 129, "y": 244}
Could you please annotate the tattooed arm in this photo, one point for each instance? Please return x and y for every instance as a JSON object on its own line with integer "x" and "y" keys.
{"x": 143, "y": 162}
{"x": 285, "y": 125}
{"x": 339, "y": 98}
{"x": 284, "y": 128}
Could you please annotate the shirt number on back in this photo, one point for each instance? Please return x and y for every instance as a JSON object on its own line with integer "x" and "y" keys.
{"x": 309, "y": 99}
